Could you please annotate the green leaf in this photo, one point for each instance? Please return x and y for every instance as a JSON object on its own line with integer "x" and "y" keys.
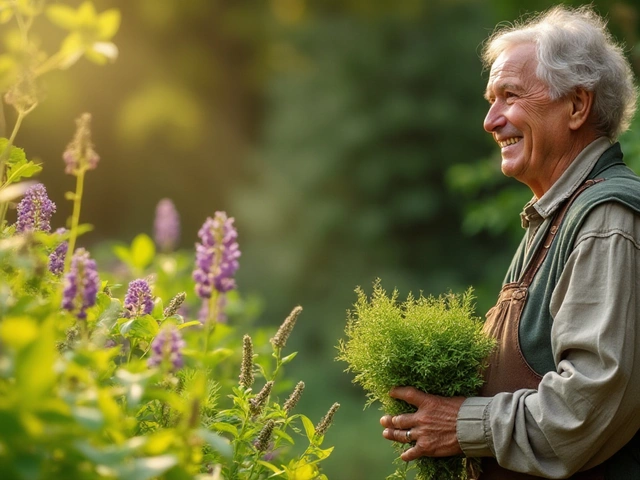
{"x": 217, "y": 442}
{"x": 108, "y": 24}
{"x": 143, "y": 250}
{"x": 63, "y": 16}
{"x": 71, "y": 49}
{"x": 86, "y": 14}
{"x": 288, "y": 358}
{"x": 145, "y": 327}
{"x": 26, "y": 170}
{"x": 187, "y": 324}
{"x": 16, "y": 155}
{"x": 146, "y": 468}
{"x": 218, "y": 355}
{"x": 110, "y": 314}
{"x": 84, "y": 228}
{"x": 272, "y": 467}
{"x": 158, "y": 309}
{"x": 159, "y": 442}
{"x": 225, "y": 427}
{"x": 309, "y": 427}
{"x": 34, "y": 366}
{"x": 134, "y": 383}
{"x": 18, "y": 332}
{"x": 322, "y": 454}
{"x": 282, "y": 434}
{"x": 112, "y": 455}
{"x": 89, "y": 418}
{"x": 177, "y": 320}
{"x": 123, "y": 254}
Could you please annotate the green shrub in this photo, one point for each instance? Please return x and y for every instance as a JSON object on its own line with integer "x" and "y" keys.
{"x": 431, "y": 343}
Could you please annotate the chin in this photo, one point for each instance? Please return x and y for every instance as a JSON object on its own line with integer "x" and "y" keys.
{"x": 508, "y": 169}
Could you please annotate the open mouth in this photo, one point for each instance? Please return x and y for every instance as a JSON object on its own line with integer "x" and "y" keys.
{"x": 509, "y": 141}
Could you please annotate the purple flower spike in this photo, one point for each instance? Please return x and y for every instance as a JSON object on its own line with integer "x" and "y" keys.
{"x": 167, "y": 346}
{"x": 81, "y": 284}
{"x": 217, "y": 256}
{"x": 138, "y": 300}
{"x": 35, "y": 210}
{"x": 166, "y": 225}
{"x": 58, "y": 256}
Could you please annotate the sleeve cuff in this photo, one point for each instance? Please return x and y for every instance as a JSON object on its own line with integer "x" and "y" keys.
{"x": 473, "y": 429}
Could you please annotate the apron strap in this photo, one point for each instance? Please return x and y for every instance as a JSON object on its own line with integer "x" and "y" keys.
{"x": 542, "y": 251}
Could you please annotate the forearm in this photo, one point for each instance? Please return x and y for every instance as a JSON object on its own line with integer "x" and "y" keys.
{"x": 586, "y": 410}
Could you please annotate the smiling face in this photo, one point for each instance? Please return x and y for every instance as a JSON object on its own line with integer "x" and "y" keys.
{"x": 534, "y": 132}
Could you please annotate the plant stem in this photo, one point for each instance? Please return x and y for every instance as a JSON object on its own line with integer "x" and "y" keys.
{"x": 253, "y": 467}
{"x": 212, "y": 318}
{"x": 49, "y": 64}
{"x": 5, "y": 155}
{"x": 236, "y": 457}
{"x": 75, "y": 217}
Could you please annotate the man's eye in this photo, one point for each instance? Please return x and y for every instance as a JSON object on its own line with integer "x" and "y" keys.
{"x": 510, "y": 95}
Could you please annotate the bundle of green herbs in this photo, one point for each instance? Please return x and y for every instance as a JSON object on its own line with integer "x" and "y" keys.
{"x": 435, "y": 344}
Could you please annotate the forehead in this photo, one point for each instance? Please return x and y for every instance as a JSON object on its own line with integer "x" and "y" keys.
{"x": 515, "y": 63}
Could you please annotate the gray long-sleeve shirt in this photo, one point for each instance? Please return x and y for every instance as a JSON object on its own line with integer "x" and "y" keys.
{"x": 589, "y": 407}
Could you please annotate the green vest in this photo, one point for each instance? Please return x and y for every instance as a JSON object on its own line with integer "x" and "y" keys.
{"x": 621, "y": 185}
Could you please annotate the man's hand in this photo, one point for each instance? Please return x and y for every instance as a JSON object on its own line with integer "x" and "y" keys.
{"x": 432, "y": 428}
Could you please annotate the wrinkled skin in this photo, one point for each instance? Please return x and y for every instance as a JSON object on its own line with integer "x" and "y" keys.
{"x": 433, "y": 425}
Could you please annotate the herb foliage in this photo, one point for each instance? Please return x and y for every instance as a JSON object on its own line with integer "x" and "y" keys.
{"x": 435, "y": 344}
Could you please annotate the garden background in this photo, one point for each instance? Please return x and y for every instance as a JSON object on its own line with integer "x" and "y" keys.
{"x": 345, "y": 137}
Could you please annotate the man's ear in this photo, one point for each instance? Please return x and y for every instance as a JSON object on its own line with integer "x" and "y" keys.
{"x": 581, "y": 105}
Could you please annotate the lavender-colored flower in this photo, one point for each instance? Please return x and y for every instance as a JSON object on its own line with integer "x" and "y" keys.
{"x": 167, "y": 346}
{"x": 138, "y": 300}
{"x": 166, "y": 225}
{"x": 80, "y": 153}
{"x": 35, "y": 210}
{"x": 58, "y": 256}
{"x": 217, "y": 256}
{"x": 81, "y": 284}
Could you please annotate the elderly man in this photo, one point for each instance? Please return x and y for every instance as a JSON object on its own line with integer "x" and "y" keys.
{"x": 562, "y": 391}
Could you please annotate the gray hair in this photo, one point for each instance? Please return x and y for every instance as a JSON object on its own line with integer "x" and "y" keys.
{"x": 574, "y": 49}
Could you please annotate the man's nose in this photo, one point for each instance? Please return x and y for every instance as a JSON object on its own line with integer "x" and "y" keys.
{"x": 495, "y": 118}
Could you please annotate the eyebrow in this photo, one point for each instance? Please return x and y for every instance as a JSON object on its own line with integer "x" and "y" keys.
{"x": 501, "y": 88}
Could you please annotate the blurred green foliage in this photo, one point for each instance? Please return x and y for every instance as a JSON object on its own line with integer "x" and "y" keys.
{"x": 344, "y": 136}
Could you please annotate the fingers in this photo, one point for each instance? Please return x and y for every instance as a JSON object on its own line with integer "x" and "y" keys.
{"x": 387, "y": 421}
{"x": 410, "y": 395}
{"x": 398, "y": 435}
{"x": 411, "y": 453}
{"x": 404, "y": 422}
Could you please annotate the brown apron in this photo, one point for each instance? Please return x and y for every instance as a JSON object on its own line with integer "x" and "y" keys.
{"x": 508, "y": 370}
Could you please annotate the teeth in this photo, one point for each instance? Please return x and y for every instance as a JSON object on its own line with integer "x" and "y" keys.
{"x": 509, "y": 141}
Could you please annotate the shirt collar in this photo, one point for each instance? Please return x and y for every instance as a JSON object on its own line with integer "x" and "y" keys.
{"x": 569, "y": 182}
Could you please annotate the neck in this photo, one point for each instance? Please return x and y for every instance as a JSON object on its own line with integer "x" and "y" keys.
{"x": 578, "y": 143}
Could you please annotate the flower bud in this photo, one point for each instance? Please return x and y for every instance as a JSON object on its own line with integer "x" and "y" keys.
{"x": 282, "y": 335}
